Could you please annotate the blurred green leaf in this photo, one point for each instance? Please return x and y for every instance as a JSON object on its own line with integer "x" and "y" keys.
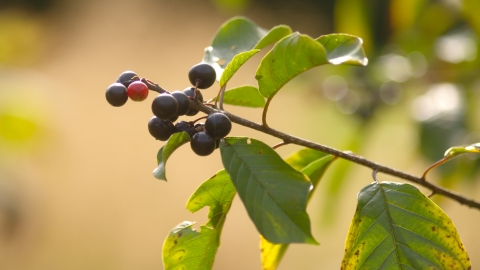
{"x": 175, "y": 141}
{"x": 274, "y": 194}
{"x": 15, "y": 128}
{"x": 232, "y": 67}
{"x": 459, "y": 150}
{"x": 186, "y": 248}
{"x": 238, "y": 35}
{"x": 246, "y": 96}
{"x": 344, "y": 49}
{"x": 397, "y": 227}
{"x": 272, "y": 253}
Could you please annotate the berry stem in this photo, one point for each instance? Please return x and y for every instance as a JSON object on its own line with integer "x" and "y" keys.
{"x": 195, "y": 96}
{"x": 219, "y": 98}
{"x": 198, "y": 119}
{"x": 153, "y": 86}
{"x": 347, "y": 155}
{"x": 434, "y": 165}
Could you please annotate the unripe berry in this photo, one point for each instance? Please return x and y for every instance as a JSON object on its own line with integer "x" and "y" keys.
{"x": 137, "y": 91}
{"x": 218, "y": 125}
{"x": 160, "y": 129}
{"x": 202, "y": 73}
{"x": 202, "y": 144}
{"x": 116, "y": 94}
{"x": 165, "y": 106}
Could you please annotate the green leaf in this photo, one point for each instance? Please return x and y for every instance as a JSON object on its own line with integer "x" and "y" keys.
{"x": 232, "y": 67}
{"x": 237, "y": 35}
{"x": 174, "y": 142}
{"x": 317, "y": 168}
{"x": 298, "y": 53}
{"x": 275, "y": 34}
{"x": 274, "y": 194}
{"x": 344, "y": 49}
{"x": 460, "y": 150}
{"x": 303, "y": 157}
{"x": 397, "y": 227}
{"x": 272, "y": 253}
{"x": 186, "y": 248}
{"x": 217, "y": 193}
{"x": 246, "y": 96}
{"x": 291, "y": 56}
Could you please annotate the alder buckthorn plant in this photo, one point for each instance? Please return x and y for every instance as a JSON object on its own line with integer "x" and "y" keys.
{"x": 395, "y": 225}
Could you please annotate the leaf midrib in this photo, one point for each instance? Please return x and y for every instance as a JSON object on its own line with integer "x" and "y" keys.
{"x": 260, "y": 184}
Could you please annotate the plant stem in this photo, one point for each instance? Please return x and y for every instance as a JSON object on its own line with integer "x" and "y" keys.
{"x": 222, "y": 93}
{"x": 153, "y": 86}
{"x": 342, "y": 154}
{"x": 264, "y": 114}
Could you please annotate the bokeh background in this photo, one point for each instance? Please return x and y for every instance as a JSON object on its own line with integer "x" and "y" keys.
{"x": 76, "y": 189}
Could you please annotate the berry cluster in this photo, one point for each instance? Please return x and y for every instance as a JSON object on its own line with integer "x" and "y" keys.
{"x": 167, "y": 107}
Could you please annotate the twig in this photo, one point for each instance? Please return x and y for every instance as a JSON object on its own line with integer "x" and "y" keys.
{"x": 342, "y": 154}
{"x": 279, "y": 145}
{"x": 153, "y": 86}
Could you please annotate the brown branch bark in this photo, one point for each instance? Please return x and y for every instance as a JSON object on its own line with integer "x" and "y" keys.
{"x": 343, "y": 154}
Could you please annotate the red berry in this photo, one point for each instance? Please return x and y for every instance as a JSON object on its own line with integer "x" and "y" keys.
{"x": 137, "y": 91}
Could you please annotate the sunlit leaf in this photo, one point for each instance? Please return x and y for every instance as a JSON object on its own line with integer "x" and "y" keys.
{"x": 298, "y": 53}
{"x": 303, "y": 157}
{"x": 317, "y": 168}
{"x": 271, "y": 254}
{"x": 217, "y": 193}
{"x": 174, "y": 142}
{"x": 232, "y": 67}
{"x": 275, "y": 34}
{"x": 344, "y": 49}
{"x": 397, "y": 227}
{"x": 291, "y": 56}
{"x": 246, "y": 96}
{"x": 459, "y": 150}
{"x": 186, "y": 248}
{"x": 274, "y": 194}
{"x": 237, "y": 35}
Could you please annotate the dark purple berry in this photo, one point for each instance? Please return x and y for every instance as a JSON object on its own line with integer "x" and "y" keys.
{"x": 218, "y": 125}
{"x": 190, "y": 91}
{"x": 183, "y": 102}
{"x": 165, "y": 106}
{"x": 202, "y": 73}
{"x": 160, "y": 129}
{"x": 127, "y": 77}
{"x": 184, "y": 126}
{"x": 202, "y": 144}
{"x": 116, "y": 94}
{"x": 199, "y": 127}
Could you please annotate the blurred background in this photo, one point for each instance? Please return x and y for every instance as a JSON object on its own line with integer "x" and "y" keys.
{"x": 76, "y": 189}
